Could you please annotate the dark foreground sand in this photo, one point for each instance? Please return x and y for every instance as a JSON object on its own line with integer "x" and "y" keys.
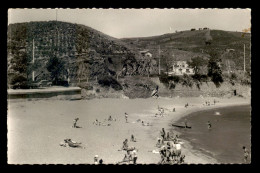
{"x": 35, "y": 129}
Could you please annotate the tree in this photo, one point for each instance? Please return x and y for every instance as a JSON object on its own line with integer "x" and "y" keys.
{"x": 20, "y": 62}
{"x": 196, "y": 63}
{"x": 214, "y": 70}
{"x": 56, "y": 67}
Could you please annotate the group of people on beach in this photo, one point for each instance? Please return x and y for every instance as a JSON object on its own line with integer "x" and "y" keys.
{"x": 246, "y": 154}
{"x": 169, "y": 149}
{"x": 69, "y": 142}
{"x": 169, "y": 145}
{"x": 96, "y": 122}
{"x": 131, "y": 152}
{"x": 97, "y": 160}
{"x": 161, "y": 111}
{"x": 166, "y": 137}
{"x": 207, "y": 102}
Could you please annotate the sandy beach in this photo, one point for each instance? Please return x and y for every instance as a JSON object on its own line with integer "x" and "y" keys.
{"x": 36, "y": 127}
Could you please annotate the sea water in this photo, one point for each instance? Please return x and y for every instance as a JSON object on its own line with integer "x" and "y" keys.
{"x": 230, "y": 131}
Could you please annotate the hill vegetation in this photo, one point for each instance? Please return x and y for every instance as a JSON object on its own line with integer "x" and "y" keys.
{"x": 90, "y": 58}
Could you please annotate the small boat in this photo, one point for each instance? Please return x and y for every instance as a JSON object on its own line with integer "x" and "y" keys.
{"x": 181, "y": 126}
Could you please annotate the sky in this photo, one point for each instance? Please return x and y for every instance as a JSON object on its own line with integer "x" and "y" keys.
{"x": 125, "y": 23}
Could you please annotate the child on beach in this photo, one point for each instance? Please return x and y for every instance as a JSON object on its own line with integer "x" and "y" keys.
{"x": 128, "y": 157}
{"x": 95, "y": 122}
{"x": 75, "y": 122}
{"x": 133, "y": 138}
{"x": 96, "y": 159}
{"x": 159, "y": 142}
{"x": 126, "y": 116}
{"x": 175, "y": 140}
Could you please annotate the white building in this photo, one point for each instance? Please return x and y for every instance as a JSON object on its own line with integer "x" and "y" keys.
{"x": 181, "y": 68}
{"x": 146, "y": 54}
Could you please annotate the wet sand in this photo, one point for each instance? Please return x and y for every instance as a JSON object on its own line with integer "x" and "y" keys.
{"x": 35, "y": 129}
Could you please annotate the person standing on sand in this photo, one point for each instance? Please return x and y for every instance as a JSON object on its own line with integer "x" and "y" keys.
{"x": 246, "y": 154}
{"x": 126, "y": 116}
{"x": 96, "y": 159}
{"x": 186, "y": 123}
{"x": 134, "y": 156}
{"x": 75, "y": 122}
{"x": 163, "y": 134}
{"x": 133, "y": 138}
{"x": 125, "y": 145}
{"x": 162, "y": 152}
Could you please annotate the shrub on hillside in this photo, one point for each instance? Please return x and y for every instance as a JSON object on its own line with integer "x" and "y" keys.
{"x": 214, "y": 70}
{"x": 164, "y": 79}
{"x": 244, "y": 78}
{"x": 56, "y": 67}
{"x": 172, "y": 85}
{"x": 187, "y": 80}
{"x": 86, "y": 86}
{"x": 171, "y": 81}
{"x": 176, "y": 79}
{"x": 200, "y": 77}
{"x": 19, "y": 81}
{"x": 109, "y": 81}
{"x": 233, "y": 76}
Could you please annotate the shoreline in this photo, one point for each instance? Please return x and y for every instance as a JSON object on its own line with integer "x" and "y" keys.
{"x": 193, "y": 154}
{"x": 47, "y": 122}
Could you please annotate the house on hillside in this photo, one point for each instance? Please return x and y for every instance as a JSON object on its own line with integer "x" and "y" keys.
{"x": 181, "y": 68}
{"x": 146, "y": 54}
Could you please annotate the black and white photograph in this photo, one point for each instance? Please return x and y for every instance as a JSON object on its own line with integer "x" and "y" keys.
{"x": 129, "y": 86}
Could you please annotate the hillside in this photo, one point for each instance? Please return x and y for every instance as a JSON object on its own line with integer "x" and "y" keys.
{"x": 87, "y": 53}
{"x": 185, "y": 45}
{"x": 97, "y": 62}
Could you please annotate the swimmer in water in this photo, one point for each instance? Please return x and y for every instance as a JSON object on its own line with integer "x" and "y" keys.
{"x": 209, "y": 125}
